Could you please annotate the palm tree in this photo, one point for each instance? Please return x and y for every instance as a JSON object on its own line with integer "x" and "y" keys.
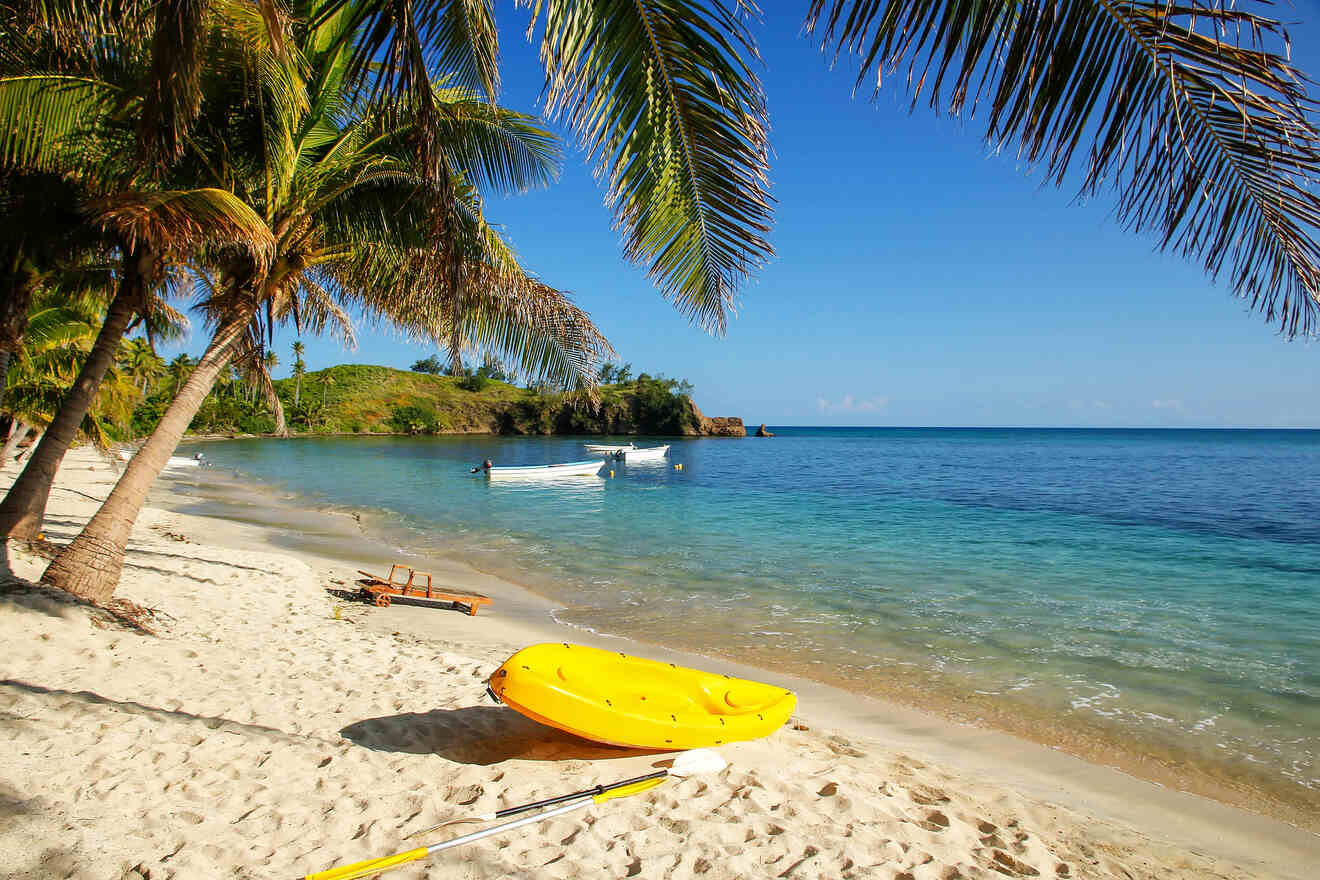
{"x": 139, "y": 361}
{"x": 72, "y": 93}
{"x": 338, "y": 185}
{"x": 299, "y": 370}
{"x": 180, "y": 369}
{"x": 264, "y": 367}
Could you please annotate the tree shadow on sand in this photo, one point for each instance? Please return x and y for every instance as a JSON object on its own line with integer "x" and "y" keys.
{"x": 479, "y": 735}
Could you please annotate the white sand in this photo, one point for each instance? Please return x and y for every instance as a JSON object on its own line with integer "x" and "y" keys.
{"x": 270, "y": 729}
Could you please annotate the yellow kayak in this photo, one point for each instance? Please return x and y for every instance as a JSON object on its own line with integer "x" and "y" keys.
{"x": 615, "y": 698}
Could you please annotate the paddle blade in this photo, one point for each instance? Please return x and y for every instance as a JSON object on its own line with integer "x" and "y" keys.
{"x": 696, "y": 762}
{"x": 369, "y": 867}
{"x": 632, "y": 788}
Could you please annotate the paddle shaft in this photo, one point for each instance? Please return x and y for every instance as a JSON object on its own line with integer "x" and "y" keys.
{"x": 375, "y": 866}
{"x": 599, "y": 789}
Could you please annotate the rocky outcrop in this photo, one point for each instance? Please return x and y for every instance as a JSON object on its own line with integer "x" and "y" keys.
{"x": 719, "y": 426}
{"x": 762, "y": 432}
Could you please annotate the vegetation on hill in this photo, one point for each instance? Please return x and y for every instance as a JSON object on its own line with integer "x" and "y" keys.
{"x": 362, "y": 399}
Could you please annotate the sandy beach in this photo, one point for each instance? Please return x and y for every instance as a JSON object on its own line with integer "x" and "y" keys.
{"x": 272, "y": 727}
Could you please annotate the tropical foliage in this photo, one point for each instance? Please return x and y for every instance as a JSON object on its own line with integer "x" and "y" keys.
{"x": 1191, "y": 113}
{"x": 343, "y": 200}
{"x": 60, "y": 333}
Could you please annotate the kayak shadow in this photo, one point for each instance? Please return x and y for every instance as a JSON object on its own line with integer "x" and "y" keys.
{"x": 479, "y": 735}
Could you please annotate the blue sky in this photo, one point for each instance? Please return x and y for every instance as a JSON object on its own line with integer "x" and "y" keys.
{"x": 919, "y": 280}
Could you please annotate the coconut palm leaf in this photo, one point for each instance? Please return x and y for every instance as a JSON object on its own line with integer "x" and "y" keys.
{"x": 401, "y": 41}
{"x": 65, "y": 35}
{"x": 43, "y": 117}
{"x": 1186, "y": 109}
{"x": 470, "y": 292}
{"x": 171, "y": 91}
{"x": 61, "y": 329}
{"x": 535, "y": 326}
{"x": 663, "y": 97}
{"x": 494, "y": 147}
{"x": 180, "y": 220}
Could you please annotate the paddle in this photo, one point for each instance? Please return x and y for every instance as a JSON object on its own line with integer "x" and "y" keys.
{"x": 689, "y": 763}
{"x": 685, "y": 764}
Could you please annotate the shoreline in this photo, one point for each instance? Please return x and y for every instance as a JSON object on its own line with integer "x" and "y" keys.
{"x": 1027, "y": 761}
{"x": 1166, "y": 767}
{"x": 953, "y": 781}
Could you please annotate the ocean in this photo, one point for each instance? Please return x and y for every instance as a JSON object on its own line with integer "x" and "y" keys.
{"x": 1143, "y": 598}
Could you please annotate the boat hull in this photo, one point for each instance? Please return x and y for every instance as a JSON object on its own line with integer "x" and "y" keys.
{"x": 604, "y": 448}
{"x": 643, "y": 454}
{"x": 615, "y": 698}
{"x": 547, "y": 471}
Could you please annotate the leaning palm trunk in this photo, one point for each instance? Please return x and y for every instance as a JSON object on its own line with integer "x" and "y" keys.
{"x": 91, "y": 564}
{"x": 23, "y": 509}
{"x": 273, "y": 401}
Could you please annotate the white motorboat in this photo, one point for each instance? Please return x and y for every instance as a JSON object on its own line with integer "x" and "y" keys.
{"x": 175, "y": 461}
{"x": 547, "y": 471}
{"x": 606, "y": 448}
{"x": 643, "y": 453}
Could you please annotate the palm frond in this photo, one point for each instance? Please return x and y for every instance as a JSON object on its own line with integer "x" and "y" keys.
{"x": 71, "y": 35}
{"x": 176, "y": 221}
{"x": 534, "y": 325}
{"x": 1187, "y": 110}
{"x": 662, "y": 95}
{"x": 171, "y": 91}
{"x": 491, "y": 304}
{"x": 403, "y": 40}
{"x": 43, "y": 116}
{"x": 493, "y": 146}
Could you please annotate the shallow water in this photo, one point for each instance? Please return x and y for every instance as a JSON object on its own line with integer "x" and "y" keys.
{"x": 1147, "y": 598}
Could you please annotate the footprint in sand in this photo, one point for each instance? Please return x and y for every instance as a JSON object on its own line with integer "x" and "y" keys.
{"x": 935, "y": 821}
{"x": 928, "y": 797}
{"x": 465, "y": 795}
{"x": 1015, "y": 867}
{"x": 841, "y": 746}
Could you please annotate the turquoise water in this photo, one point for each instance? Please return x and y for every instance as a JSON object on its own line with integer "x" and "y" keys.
{"x": 1150, "y": 595}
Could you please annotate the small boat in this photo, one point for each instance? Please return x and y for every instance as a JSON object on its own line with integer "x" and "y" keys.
{"x": 615, "y": 698}
{"x": 175, "y": 461}
{"x": 547, "y": 471}
{"x": 606, "y": 449}
{"x": 643, "y": 453}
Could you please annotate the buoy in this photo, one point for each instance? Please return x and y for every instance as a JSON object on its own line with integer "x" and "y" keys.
{"x": 611, "y": 475}
{"x": 678, "y": 467}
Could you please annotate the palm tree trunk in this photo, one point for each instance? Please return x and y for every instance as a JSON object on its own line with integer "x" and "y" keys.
{"x": 91, "y": 564}
{"x": 24, "y": 507}
{"x": 17, "y": 431}
{"x": 273, "y": 401}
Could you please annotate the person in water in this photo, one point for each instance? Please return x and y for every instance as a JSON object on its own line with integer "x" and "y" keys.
{"x": 485, "y": 466}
